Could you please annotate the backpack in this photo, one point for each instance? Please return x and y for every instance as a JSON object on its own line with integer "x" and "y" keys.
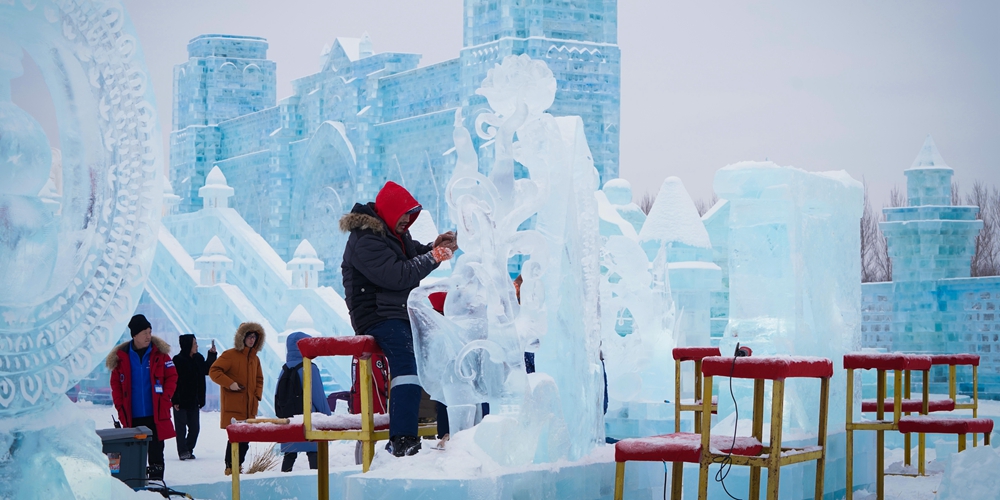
{"x": 380, "y": 385}
{"x": 288, "y": 392}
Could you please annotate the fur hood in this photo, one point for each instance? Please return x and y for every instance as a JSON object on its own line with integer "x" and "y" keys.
{"x": 112, "y": 360}
{"x": 243, "y": 330}
{"x": 355, "y": 220}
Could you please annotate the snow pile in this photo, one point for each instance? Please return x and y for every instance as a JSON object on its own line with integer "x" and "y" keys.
{"x": 972, "y": 474}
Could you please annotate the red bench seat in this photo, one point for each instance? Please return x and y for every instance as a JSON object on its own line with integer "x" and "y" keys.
{"x": 694, "y": 353}
{"x": 681, "y": 447}
{"x": 886, "y": 361}
{"x": 955, "y": 359}
{"x": 294, "y": 431}
{"x": 935, "y": 425}
{"x": 909, "y": 405}
{"x": 348, "y": 345}
{"x": 768, "y": 367}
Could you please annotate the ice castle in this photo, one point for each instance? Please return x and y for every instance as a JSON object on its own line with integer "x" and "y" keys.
{"x": 932, "y": 305}
{"x": 368, "y": 117}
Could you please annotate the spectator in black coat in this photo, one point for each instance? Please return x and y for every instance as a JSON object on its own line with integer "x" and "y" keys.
{"x": 189, "y": 397}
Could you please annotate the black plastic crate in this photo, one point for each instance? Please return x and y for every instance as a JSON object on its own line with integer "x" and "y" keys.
{"x": 126, "y": 450}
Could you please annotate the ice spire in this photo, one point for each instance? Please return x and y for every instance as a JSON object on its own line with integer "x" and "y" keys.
{"x": 365, "y": 47}
{"x": 929, "y": 157}
{"x": 299, "y": 320}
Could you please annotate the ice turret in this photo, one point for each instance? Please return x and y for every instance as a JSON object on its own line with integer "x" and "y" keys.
{"x": 305, "y": 266}
{"x": 674, "y": 225}
{"x": 928, "y": 240}
{"x": 928, "y": 180}
{"x": 216, "y": 191}
{"x": 299, "y": 321}
{"x": 213, "y": 263}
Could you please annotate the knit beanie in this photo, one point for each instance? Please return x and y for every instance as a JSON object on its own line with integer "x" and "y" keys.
{"x": 137, "y": 324}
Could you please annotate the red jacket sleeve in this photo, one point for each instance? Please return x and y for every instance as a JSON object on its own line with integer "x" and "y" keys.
{"x": 116, "y": 394}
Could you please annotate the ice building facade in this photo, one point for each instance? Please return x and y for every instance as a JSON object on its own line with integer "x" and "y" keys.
{"x": 368, "y": 117}
{"x": 932, "y": 305}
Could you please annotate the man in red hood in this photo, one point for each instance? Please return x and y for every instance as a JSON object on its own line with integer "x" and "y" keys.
{"x": 381, "y": 265}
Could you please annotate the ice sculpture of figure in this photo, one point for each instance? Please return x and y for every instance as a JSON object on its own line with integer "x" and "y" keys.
{"x": 79, "y": 269}
{"x": 474, "y": 352}
{"x": 674, "y": 224}
{"x": 794, "y": 267}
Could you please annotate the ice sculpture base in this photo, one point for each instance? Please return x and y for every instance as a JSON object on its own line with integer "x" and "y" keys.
{"x": 271, "y": 484}
{"x": 590, "y": 478}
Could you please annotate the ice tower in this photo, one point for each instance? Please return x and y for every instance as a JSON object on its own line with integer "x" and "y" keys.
{"x": 932, "y": 304}
{"x": 224, "y": 77}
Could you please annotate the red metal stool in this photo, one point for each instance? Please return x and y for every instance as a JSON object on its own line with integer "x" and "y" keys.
{"x": 696, "y": 354}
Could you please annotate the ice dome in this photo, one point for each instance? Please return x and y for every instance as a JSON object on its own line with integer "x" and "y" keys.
{"x": 215, "y": 177}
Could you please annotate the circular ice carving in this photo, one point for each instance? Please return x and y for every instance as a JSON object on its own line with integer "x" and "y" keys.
{"x": 87, "y": 259}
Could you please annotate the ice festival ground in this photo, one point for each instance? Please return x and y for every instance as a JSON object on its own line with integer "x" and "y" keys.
{"x": 592, "y": 477}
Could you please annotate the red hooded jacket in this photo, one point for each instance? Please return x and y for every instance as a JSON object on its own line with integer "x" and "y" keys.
{"x": 161, "y": 369}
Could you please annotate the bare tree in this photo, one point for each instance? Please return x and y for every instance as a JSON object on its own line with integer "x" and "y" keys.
{"x": 956, "y": 194}
{"x": 646, "y": 203}
{"x": 869, "y": 225}
{"x": 986, "y": 260}
{"x": 704, "y": 206}
{"x": 897, "y": 198}
{"x": 875, "y": 263}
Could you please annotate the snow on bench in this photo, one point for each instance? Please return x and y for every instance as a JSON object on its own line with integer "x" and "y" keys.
{"x": 955, "y": 359}
{"x": 348, "y": 345}
{"x": 909, "y": 405}
{"x": 938, "y": 425}
{"x": 681, "y": 447}
{"x": 294, "y": 431}
{"x": 694, "y": 353}
{"x": 886, "y": 361}
{"x": 768, "y": 367}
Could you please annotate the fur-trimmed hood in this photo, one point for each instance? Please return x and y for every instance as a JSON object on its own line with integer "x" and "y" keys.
{"x": 243, "y": 330}
{"x": 112, "y": 360}
{"x": 360, "y": 220}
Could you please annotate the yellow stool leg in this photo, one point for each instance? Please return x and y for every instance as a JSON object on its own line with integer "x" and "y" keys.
{"x": 234, "y": 452}
{"x": 850, "y": 434}
{"x": 619, "y": 480}
{"x": 677, "y": 481}
{"x": 961, "y": 443}
{"x": 921, "y": 458}
{"x": 323, "y": 464}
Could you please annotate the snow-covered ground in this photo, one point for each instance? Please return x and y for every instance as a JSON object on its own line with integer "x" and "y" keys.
{"x": 209, "y": 465}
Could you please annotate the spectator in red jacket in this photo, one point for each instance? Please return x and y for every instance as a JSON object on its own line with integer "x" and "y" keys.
{"x": 143, "y": 380}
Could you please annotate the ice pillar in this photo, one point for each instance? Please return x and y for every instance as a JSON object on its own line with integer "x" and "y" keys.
{"x": 794, "y": 263}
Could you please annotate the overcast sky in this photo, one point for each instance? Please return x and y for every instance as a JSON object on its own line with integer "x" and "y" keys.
{"x": 821, "y": 86}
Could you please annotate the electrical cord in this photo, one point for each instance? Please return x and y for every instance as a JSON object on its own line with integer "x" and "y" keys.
{"x": 727, "y": 461}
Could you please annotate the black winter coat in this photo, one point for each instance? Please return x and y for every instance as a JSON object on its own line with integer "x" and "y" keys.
{"x": 191, "y": 372}
{"x": 379, "y": 268}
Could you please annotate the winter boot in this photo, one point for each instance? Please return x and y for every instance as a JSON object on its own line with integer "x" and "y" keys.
{"x": 403, "y": 446}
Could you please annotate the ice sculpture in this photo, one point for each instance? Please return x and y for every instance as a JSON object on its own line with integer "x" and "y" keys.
{"x": 794, "y": 267}
{"x": 474, "y": 352}
{"x": 673, "y": 225}
{"x": 619, "y": 194}
{"x": 77, "y": 269}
